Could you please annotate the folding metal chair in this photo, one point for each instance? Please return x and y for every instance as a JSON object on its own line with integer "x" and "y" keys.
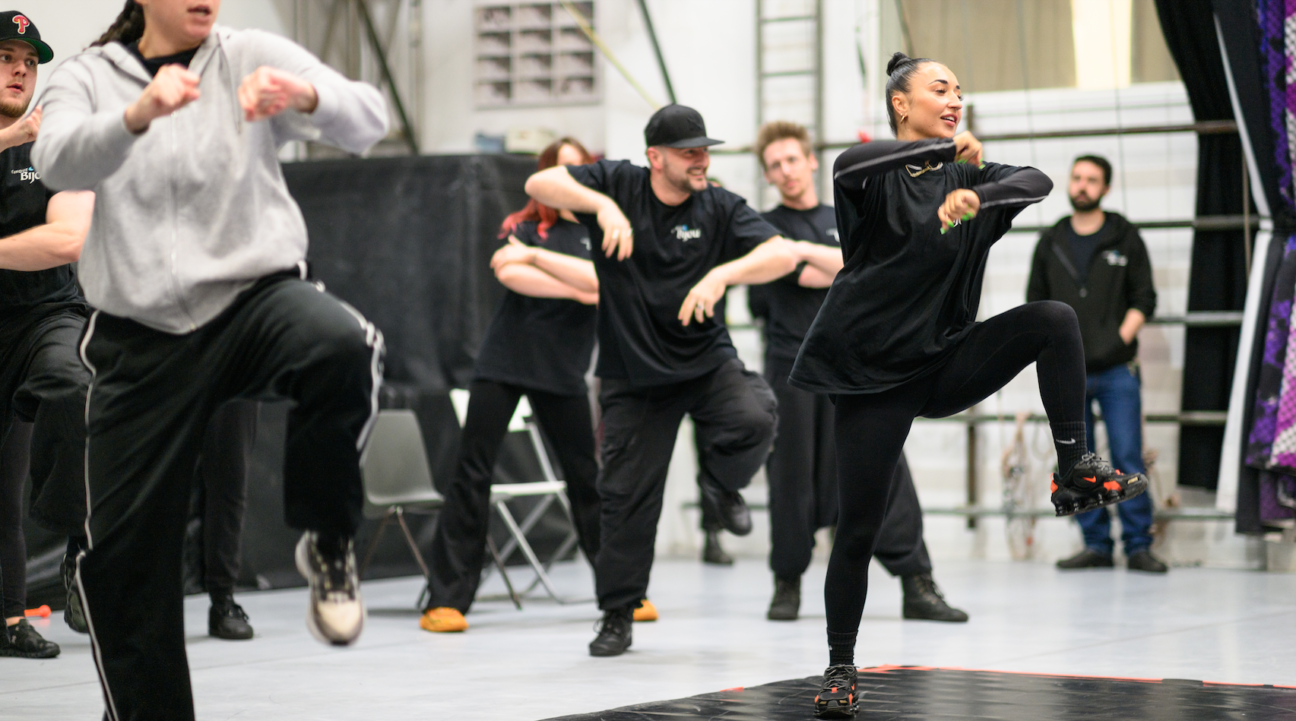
{"x": 549, "y": 490}
{"x": 397, "y": 478}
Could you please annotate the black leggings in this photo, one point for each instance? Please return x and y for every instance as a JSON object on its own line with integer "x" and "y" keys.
{"x": 459, "y": 543}
{"x": 871, "y": 431}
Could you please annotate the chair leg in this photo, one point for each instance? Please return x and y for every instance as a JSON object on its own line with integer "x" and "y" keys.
{"x": 409, "y": 538}
{"x": 373, "y": 542}
{"x": 499, "y": 563}
{"x": 525, "y": 547}
{"x": 527, "y": 524}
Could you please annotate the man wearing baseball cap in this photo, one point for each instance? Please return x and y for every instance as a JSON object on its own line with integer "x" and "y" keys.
{"x": 42, "y": 313}
{"x": 671, "y": 245}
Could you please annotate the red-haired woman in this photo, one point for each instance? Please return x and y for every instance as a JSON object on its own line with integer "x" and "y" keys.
{"x": 539, "y": 345}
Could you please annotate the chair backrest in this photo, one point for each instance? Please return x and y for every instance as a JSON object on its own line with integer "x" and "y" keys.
{"x": 395, "y": 466}
{"x": 459, "y": 398}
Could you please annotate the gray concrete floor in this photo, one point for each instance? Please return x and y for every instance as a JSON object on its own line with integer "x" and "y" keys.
{"x": 1209, "y": 624}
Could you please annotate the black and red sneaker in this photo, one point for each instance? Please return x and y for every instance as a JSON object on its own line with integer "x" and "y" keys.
{"x": 837, "y": 697}
{"x": 1093, "y": 483}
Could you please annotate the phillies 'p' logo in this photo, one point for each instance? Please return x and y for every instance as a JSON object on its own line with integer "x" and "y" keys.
{"x": 22, "y": 22}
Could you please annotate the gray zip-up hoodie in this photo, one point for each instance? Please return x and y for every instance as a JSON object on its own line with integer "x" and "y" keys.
{"x": 194, "y": 210}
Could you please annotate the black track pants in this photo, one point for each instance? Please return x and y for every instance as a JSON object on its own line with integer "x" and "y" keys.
{"x": 736, "y": 417}
{"x": 42, "y": 381}
{"x": 871, "y": 430}
{"x": 149, "y": 403}
{"x": 459, "y": 544}
{"x": 13, "y": 544}
{"x": 802, "y": 473}
{"x": 222, "y": 490}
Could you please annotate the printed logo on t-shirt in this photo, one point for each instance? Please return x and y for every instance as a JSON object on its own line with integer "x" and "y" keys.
{"x": 832, "y": 233}
{"x": 28, "y": 175}
{"x": 1114, "y": 257}
{"x": 586, "y": 242}
{"x": 685, "y": 233}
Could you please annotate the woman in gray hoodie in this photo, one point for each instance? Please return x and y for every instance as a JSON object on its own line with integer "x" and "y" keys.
{"x": 196, "y": 263}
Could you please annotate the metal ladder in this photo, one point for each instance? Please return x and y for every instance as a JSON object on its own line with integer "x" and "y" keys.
{"x": 789, "y": 71}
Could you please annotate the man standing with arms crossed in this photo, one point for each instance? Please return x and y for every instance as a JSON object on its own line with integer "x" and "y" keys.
{"x": 802, "y": 468}
{"x": 1096, "y": 262}
{"x": 42, "y": 314}
{"x": 662, "y": 353}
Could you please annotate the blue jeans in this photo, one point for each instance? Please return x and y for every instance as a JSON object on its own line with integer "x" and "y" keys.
{"x": 1117, "y": 392}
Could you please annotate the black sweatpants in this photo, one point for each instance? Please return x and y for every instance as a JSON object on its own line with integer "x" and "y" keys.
{"x": 222, "y": 491}
{"x": 43, "y": 382}
{"x": 736, "y": 416}
{"x": 149, "y": 403}
{"x": 13, "y": 544}
{"x": 871, "y": 431}
{"x": 802, "y": 473}
{"x": 459, "y": 544}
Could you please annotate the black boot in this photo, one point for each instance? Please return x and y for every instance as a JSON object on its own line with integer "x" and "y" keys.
{"x": 712, "y": 553}
{"x": 73, "y": 616}
{"x": 1146, "y": 562}
{"x": 923, "y": 601}
{"x": 614, "y": 633}
{"x": 22, "y": 641}
{"x": 1087, "y": 558}
{"x": 787, "y": 600}
{"x": 727, "y": 507}
{"x": 227, "y": 619}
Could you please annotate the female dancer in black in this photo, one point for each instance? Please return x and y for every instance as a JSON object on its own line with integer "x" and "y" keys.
{"x": 897, "y": 336}
{"x": 539, "y": 345}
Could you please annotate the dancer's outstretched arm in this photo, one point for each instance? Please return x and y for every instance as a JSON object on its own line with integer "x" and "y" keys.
{"x": 556, "y": 188}
{"x": 768, "y": 261}
{"x": 58, "y": 241}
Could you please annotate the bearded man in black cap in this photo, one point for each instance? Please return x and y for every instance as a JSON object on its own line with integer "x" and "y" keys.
{"x": 42, "y": 313}
{"x": 672, "y": 244}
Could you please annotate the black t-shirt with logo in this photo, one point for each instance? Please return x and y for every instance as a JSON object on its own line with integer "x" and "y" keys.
{"x": 791, "y": 307}
{"x": 640, "y": 335}
{"x": 543, "y": 344}
{"x": 23, "y": 203}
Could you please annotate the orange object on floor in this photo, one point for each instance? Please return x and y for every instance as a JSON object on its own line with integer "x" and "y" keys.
{"x": 443, "y": 620}
{"x": 43, "y": 612}
{"x": 646, "y": 611}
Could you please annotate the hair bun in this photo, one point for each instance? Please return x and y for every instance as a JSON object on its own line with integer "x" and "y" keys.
{"x": 897, "y": 60}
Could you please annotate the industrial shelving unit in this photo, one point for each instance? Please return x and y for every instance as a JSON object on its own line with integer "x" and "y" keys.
{"x": 534, "y": 53}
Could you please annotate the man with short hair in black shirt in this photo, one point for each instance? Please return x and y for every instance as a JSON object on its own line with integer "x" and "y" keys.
{"x": 662, "y": 351}
{"x": 42, "y": 313}
{"x": 802, "y": 468}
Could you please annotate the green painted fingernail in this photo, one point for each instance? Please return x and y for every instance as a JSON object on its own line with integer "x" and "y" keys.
{"x": 967, "y": 216}
{"x": 942, "y": 230}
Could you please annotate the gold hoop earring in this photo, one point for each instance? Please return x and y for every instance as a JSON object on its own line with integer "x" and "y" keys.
{"x": 904, "y": 118}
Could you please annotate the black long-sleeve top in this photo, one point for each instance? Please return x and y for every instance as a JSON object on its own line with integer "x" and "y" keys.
{"x": 907, "y": 294}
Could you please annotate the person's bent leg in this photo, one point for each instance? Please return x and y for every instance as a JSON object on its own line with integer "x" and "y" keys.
{"x": 567, "y": 423}
{"x": 13, "y": 544}
{"x": 870, "y": 432}
{"x": 459, "y": 540}
{"x": 148, "y": 405}
{"x": 736, "y": 415}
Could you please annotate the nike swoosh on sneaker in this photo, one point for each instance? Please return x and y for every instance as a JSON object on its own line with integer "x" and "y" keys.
{"x": 1091, "y": 480}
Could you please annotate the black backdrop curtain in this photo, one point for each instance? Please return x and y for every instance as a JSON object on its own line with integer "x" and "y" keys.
{"x": 1217, "y": 280}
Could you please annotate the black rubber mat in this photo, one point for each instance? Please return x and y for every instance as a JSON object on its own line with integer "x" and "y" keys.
{"x": 911, "y": 692}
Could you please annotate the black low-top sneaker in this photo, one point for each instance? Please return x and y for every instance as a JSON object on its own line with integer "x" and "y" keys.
{"x": 21, "y": 640}
{"x": 73, "y": 616}
{"x": 837, "y": 697}
{"x": 1093, "y": 483}
{"x": 226, "y": 619}
{"x": 336, "y": 613}
{"x": 786, "y": 604}
{"x": 615, "y": 632}
{"x": 923, "y": 601}
{"x": 1086, "y": 558}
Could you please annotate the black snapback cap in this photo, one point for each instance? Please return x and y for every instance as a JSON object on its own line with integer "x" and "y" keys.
{"x": 677, "y": 126}
{"x": 16, "y": 26}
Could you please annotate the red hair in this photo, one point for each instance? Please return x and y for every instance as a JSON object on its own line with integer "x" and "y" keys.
{"x": 543, "y": 215}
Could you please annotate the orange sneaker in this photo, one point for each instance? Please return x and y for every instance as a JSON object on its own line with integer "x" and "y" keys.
{"x": 646, "y": 611}
{"x": 443, "y": 620}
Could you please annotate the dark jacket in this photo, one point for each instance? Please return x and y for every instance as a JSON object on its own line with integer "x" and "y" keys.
{"x": 1120, "y": 278}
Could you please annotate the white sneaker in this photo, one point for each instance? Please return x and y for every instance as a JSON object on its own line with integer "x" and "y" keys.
{"x": 336, "y": 613}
